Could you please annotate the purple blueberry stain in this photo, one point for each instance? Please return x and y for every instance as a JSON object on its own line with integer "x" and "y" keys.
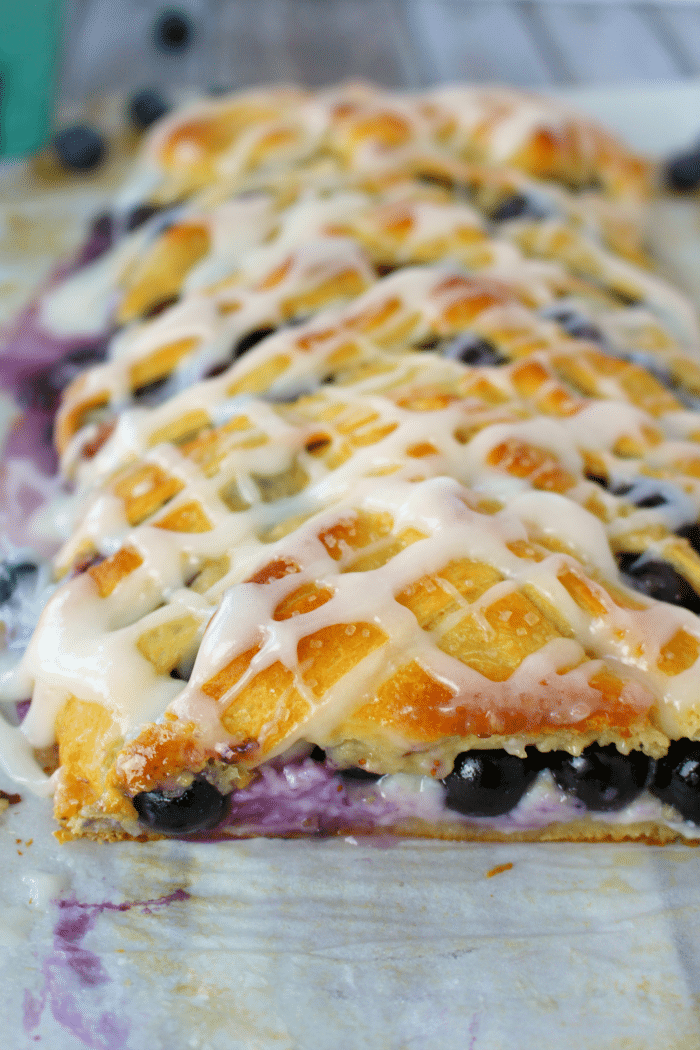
{"x": 73, "y": 975}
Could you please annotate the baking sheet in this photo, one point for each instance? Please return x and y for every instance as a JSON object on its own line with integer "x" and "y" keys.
{"x": 350, "y": 944}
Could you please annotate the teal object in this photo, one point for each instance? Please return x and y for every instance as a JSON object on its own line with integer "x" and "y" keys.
{"x": 29, "y": 41}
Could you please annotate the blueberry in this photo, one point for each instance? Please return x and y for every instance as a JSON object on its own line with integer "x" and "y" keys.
{"x": 677, "y": 779}
{"x": 173, "y": 31}
{"x": 642, "y": 494}
{"x": 575, "y": 324}
{"x": 511, "y": 208}
{"x": 659, "y": 580}
{"x": 691, "y": 533}
{"x": 140, "y": 214}
{"x": 80, "y": 148}
{"x": 249, "y": 340}
{"x": 518, "y": 206}
{"x": 471, "y": 350}
{"x": 198, "y": 808}
{"x": 683, "y": 173}
{"x": 146, "y": 107}
{"x": 357, "y": 773}
{"x": 151, "y": 393}
{"x": 601, "y": 777}
{"x": 10, "y": 575}
{"x": 489, "y": 783}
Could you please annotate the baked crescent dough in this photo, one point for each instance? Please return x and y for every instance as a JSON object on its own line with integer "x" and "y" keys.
{"x": 387, "y": 489}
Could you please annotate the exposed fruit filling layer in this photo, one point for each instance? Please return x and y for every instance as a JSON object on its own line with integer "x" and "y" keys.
{"x": 310, "y": 796}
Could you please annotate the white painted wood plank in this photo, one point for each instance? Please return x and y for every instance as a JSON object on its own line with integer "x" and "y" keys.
{"x": 332, "y": 40}
{"x": 476, "y": 42}
{"x": 607, "y": 44}
{"x": 683, "y": 20}
{"x": 311, "y": 42}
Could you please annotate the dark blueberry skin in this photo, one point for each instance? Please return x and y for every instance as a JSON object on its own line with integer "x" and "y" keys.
{"x": 601, "y": 777}
{"x": 173, "y": 31}
{"x": 691, "y": 533}
{"x": 146, "y": 107}
{"x": 511, "y": 208}
{"x": 518, "y": 206}
{"x": 10, "y": 575}
{"x": 140, "y": 214}
{"x": 151, "y": 393}
{"x": 199, "y": 808}
{"x": 659, "y": 580}
{"x": 80, "y": 148}
{"x": 249, "y": 340}
{"x": 471, "y": 350}
{"x": 357, "y": 773}
{"x": 489, "y": 783}
{"x": 677, "y": 779}
{"x": 576, "y": 325}
{"x": 648, "y": 500}
{"x": 683, "y": 173}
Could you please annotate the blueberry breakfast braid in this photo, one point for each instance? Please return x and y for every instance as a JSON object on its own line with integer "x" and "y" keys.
{"x": 386, "y": 486}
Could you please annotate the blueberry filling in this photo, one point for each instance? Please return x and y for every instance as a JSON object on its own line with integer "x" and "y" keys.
{"x": 10, "y": 575}
{"x": 575, "y": 324}
{"x": 151, "y": 393}
{"x": 249, "y": 340}
{"x": 601, "y": 777}
{"x": 489, "y": 783}
{"x": 653, "y": 499}
{"x": 658, "y": 580}
{"x": 199, "y": 808}
{"x": 677, "y": 779}
{"x": 99, "y": 241}
{"x": 471, "y": 350}
{"x": 140, "y": 214}
{"x": 42, "y": 390}
{"x": 517, "y": 206}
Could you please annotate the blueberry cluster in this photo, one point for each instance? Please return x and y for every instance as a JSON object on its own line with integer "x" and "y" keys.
{"x": 491, "y": 783}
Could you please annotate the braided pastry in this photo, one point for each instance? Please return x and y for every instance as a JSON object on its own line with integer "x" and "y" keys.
{"x": 387, "y": 489}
